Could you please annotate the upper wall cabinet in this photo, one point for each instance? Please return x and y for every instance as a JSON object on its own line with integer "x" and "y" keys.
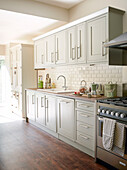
{"x": 60, "y": 47}
{"x": 39, "y": 54}
{"x": 82, "y": 41}
{"x": 96, "y": 37}
{"x": 76, "y": 44}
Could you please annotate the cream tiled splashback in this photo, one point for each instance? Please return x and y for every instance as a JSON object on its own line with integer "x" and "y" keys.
{"x": 100, "y": 74}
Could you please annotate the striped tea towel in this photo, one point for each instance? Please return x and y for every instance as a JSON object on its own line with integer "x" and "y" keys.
{"x": 108, "y": 133}
{"x": 119, "y": 143}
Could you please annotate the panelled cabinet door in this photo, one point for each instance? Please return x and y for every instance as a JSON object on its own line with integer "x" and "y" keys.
{"x": 31, "y": 105}
{"x": 50, "y": 50}
{"x": 65, "y": 111}
{"x": 40, "y": 108}
{"x": 60, "y": 47}
{"x": 81, "y": 43}
{"x": 50, "y": 106}
{"x": 39, "y": 54}
{"x": 71, "y": 33}
{"x": 96, "y": 37}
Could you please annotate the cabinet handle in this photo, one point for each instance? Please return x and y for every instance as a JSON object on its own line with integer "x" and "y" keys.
{"x": 36, "y": 53}
{"x": 84, "y": 137}
{"x": 91, "y": 41}
{"x": 32, "y": 99}
{"x": 42, "y": 101}
{"x": 42, "y": 59}
{"x": 121, "y": 163}
{"x": 86, "y": 106}
{"x": 85, "y": 115}
{"x": 59, "y": 116}
{"x": 84, "y": 126}
{"x": 73, "y": 52}
{"x": 56, "y": 53}
{"x": 37, "y": 107}
{"x": 46, "y": 51}
{"x": 52, "y": 57}
{"x": 103, "y": 54}
{"x": 70, "y": 45}
{"x": 64, "y": 101}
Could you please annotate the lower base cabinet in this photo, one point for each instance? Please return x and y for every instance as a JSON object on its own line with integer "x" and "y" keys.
{"x": 67, "y": 119}
{"x": 65, "y": 113}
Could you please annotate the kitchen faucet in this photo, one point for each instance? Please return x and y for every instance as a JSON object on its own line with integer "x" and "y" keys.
{"x": 65, "y": 87}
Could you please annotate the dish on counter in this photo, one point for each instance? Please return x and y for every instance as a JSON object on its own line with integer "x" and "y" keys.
{"x": 77, "y": 94}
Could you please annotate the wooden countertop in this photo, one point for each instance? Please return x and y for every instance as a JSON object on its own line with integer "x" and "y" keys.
{"x": 68, "y": 95}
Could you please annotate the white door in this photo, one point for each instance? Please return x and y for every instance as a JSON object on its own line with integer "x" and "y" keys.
{"x": 71, "y": 36}
{"x": 50, "y": 50}
{"x": 66, "y": 117}
{"x": 31, "y": 105}
{"x": 81, "y": 43}
{"x": 51, "y": 112}
{"x": 40, "y": 108}
{"x": 39, "y": 53}
{"x": 60, "y": 47}
{"x": 96, "y": 37}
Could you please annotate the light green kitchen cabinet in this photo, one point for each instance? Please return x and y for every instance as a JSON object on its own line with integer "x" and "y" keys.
{"x": 39, "y": 54}
{"x": 76, "y": 43}
{"x": 30, "y": 104}
{"x": 96, "y": 37}
{"x": 40, "y": 108}
{"x": 50, "y": 108}
{"x": 65, "y": 114}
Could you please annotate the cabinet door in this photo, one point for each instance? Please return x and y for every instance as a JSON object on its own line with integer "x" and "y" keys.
{"x": 50, "y": 50}
{"x": 60, "y": 47}
{"x": 31, "y": 105}
{"x": 96, "y": 37}
{"x": 71, "y": 33}
{"x": 81, "y": 43}
{"x": 39, "y": 53}
{"x": 66, "y": 117}
{"x": 40, "y": 108}
{"x": 51, "y": 113}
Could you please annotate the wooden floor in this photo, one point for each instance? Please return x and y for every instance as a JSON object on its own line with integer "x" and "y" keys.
{"x": 25, "y": 147}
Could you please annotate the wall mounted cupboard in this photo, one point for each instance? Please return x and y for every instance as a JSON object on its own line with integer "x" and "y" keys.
{"x": 82, "y": 41}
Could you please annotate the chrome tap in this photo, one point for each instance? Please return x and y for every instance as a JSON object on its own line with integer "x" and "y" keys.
{"x": 65, "y": 87}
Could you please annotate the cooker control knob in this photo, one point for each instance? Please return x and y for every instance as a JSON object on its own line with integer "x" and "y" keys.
{"x": 99, "y": 110}
{"x": 117, "y": 114}
{"x": 107, "y": 112}
{"x": 103, "y": 111}
{"x": 122, "y": 115}
{"x": 112, "y": 113}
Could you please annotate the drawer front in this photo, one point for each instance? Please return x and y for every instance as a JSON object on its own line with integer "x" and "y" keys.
{"x": 85, "y": 128}
{"x": 85, "y": 117}
{"x": 85, "y": 140}
{"x": 85, "y": 105}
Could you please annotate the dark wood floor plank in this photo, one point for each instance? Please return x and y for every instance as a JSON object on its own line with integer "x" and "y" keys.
{"x": 25, "y": 147}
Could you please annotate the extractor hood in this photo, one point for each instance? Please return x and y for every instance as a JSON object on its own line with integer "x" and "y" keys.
{"x": 119, "y": 42}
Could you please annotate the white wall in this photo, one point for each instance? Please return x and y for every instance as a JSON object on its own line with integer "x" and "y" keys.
{"x": 89, "y": 6}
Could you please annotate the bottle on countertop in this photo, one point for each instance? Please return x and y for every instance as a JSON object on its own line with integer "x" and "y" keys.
{"x": 40, "y": 82}
{"x": 47, "y": 82}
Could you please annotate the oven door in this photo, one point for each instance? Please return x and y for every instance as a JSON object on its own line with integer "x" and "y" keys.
{"x": 100, "y": 136}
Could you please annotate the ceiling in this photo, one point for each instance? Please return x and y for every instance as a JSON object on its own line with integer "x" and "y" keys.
{"x": 61, "y": 3}
{"x": 14, "y": 26}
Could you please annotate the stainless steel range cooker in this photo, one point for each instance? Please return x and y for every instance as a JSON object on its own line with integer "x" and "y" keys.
{"x": 114, "y": 108}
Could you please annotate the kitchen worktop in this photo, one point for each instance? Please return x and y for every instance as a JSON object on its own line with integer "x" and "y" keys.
{"x": 69, "y": 95}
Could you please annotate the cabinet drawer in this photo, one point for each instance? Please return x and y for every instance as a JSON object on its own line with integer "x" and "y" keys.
{"x": 85, "y": 117}
{"x": 85, "y": 129}
{"x": 85, "y": 140}
{"x": 85, "y": 105}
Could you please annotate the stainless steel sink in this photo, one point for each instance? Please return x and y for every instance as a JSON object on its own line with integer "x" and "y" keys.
{"x": 56, "y": 90}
